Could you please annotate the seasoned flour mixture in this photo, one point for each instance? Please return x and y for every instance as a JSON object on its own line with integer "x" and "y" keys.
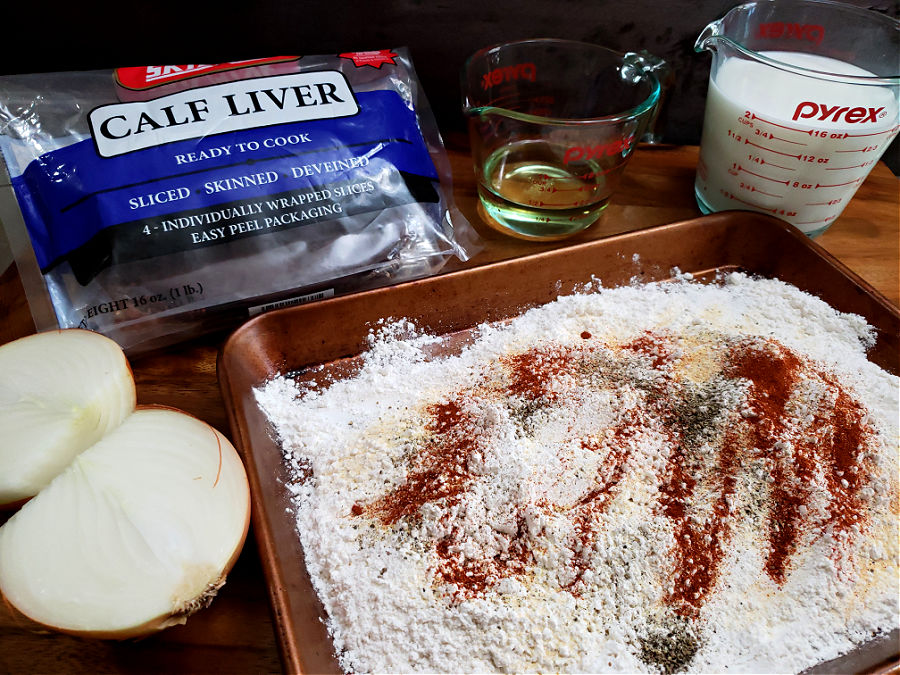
{"x": 661, "y": 478}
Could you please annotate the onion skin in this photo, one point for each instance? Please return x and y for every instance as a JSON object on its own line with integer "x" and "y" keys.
{"x": 132, "y": 633}
{"x": 14, "y": 506}
{"x": 143, "y": 630}
{"x": 177, "y": 615}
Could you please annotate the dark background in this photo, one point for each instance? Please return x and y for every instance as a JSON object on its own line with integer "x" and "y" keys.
{"x": 440, "y": 34}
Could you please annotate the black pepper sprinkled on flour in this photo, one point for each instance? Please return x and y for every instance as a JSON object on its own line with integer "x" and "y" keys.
{"x": 670, "y": 646}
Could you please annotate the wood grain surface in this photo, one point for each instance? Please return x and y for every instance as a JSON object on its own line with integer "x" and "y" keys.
{"x": 235, "y": 634}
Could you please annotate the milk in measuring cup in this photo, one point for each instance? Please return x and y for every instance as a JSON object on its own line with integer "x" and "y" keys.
{"x": 793, "y": 146}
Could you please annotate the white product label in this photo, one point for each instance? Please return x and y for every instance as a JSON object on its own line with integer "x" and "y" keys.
{"x": 792, "y": 146}
{"x": 246, "y": 104}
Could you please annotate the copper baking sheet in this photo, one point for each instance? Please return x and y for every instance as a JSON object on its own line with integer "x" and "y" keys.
{"x": 332, "y": 331}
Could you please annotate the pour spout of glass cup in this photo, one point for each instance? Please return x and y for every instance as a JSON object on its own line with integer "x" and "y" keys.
{"x": 709, "y": 37}
{"x": 636, "y": 66}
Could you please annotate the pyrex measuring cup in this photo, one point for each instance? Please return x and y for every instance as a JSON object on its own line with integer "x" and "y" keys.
{"x": 552, "y": 124}
{"x": 802, "y": 102}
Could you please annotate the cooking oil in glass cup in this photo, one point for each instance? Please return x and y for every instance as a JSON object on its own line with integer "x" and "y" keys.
{"x": 552, "y": 125}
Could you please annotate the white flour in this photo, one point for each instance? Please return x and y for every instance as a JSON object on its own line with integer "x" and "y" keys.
{"x": 646, "y": 479}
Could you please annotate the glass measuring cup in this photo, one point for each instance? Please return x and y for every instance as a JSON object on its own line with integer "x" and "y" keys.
{"x": 552, "y": 125}
{"x": 802, "y": 102}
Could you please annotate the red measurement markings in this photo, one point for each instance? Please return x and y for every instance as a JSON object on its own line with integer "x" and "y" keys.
{"x": 868, "y": 148}
{"x": 777, "y": 152}
{"x": 594, "y": 174}
{"x": 759, "y": 175}
{"x": 570, "y": 205}
{"x": 784, "y": 140}
{"x": 875, "y": 133}
{"x": 828, "y": 203}
{"x": 753, "y": 188}
{"x": 855, "y": 166}
{"x": 780, "y": 126}
{"x": 813, "y": 222}
{"x": 582, "y": 188}
{"x": 744, "y": 201}
{"x": 851, "y": 182}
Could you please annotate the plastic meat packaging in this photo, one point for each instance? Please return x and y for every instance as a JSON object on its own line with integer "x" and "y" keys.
{"x": 154, "y": 204}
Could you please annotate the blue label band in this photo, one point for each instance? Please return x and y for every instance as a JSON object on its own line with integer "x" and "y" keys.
{"x": 96, "y": 211}
{"x": 232, "y": 221}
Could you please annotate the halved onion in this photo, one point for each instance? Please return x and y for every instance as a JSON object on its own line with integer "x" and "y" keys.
{"x": 60, "y": 392}
{"x": 134, "y": 535}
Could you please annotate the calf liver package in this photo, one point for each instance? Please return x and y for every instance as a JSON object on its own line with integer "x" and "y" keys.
{"x": 153, "y": 204}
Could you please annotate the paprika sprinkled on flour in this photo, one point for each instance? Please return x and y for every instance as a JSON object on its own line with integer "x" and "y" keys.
{"x": 689, "y": 460}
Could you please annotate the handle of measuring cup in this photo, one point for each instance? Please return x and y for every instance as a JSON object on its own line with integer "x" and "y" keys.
{"x": 637, "y": 65}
